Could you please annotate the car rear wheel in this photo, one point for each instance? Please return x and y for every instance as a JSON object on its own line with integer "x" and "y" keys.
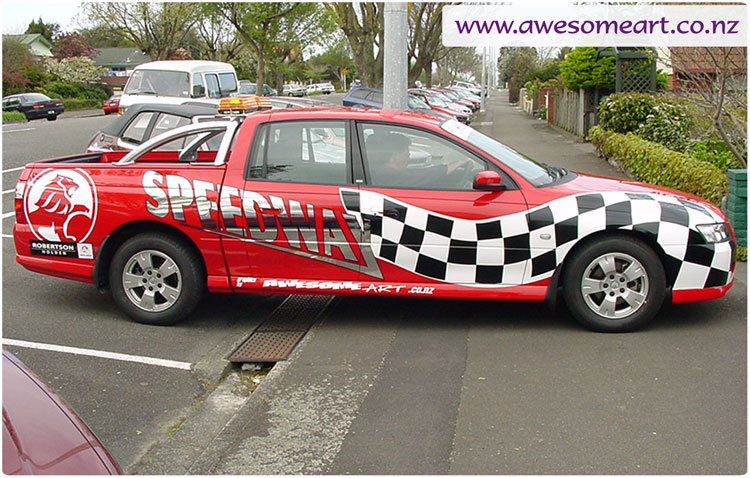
{"x": 156, "y": 279}
{"x": 615, "y": 284}
{"x": 52, "y": 117}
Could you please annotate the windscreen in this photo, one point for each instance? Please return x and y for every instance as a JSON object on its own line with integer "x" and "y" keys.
{"x": 159, "y": 82}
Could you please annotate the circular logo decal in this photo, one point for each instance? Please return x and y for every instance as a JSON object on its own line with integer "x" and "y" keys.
{"x": 61, "y": 205}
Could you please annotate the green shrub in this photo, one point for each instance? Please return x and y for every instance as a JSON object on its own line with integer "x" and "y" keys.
{"x": 13, "y": 117}
{"x": 716, "y": 153}
{"x": 655, "y": 164}
{"x": 582, "y": 69}
{"x": 653, "y": 118}
{"x": 94, "y": 91}
{"x": 75, "y": 104}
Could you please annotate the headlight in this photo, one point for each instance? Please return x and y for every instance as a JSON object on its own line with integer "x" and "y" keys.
{"x": 712, "y": 233}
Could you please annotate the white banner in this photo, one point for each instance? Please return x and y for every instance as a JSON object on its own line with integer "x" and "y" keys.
{"x": 557, "y": 24}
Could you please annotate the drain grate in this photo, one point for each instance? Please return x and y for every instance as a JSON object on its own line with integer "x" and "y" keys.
{"x": 275, "y": 338}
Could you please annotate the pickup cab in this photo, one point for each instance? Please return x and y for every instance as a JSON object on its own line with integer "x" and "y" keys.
{"x": 362, "y": 201}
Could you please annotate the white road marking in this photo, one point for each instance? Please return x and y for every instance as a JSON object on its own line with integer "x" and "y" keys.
{"x": 14, "y": 130}
{"x": 99, "y": 354}
{"x": 9, "y": 214}
{"x": 7, "y": 236}
{"x": 8, "y": 191}
{"x": 11, "y": 170}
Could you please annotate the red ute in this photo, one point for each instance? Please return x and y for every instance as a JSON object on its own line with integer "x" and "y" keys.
{"x": 363, "y": 201}
{"x": 41, "y": 434}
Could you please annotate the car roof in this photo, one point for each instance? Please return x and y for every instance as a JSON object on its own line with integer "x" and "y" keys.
{"x": 360, "y": 113}
{"x": 184, "y": 110}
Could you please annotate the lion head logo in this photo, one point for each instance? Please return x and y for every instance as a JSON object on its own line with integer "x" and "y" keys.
{"x": 61, "y": 205}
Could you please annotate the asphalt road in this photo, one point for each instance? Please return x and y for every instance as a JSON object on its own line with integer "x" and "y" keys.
{"x": 448, "y": 387}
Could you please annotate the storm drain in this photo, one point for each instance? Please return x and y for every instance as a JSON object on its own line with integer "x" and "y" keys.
{"x": 275, "y": 338}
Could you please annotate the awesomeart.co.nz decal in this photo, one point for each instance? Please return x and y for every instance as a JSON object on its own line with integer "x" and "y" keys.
{"x": 519, "y": 248}
{"x": 61, "y": 205}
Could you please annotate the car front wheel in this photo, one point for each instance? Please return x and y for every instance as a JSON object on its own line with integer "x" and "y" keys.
{"x": 156, "y": 279}
{"x": 615, "y": 284}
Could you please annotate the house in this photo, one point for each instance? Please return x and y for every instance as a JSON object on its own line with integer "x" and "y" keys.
{"x": 118, "y": 63}
{"x": 700, "y": 64}
{"x": 37, "y": 44}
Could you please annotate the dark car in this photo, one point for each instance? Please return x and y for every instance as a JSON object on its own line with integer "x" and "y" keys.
{"x": 42, "y": 435}
{"x": 34, "y": 106}
{"x": 142, "y": 122}
{"x": 111, "y": 104}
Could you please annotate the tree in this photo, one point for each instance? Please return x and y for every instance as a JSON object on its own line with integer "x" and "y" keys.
{"x": 333, "y": 61}
{"x": 73, "y": 44}
{"x": 457, "y": 63}
{"x": 213, "y": 37}
{"x": 76, "y": 69}
{"x": 157, "y": 29}
{"x": 47, "y": 30}
{"x": 21, "y": 72}
{"x": 582, "y": 69}
{"x": 425, "y": 38}
{"x": 363, "y": 25}
{"x": 258, "y": 25}
{"x": 714, "y": 81}
{"x": 516, "y": 65}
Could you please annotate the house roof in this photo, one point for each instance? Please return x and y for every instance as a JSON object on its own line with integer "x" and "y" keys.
{"x": 122, "y": 57}
{"x": 29, "y": 38}
{"x": 708, "y": 59}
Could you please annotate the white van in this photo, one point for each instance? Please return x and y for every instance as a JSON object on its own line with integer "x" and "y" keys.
{"x": 178, "y": 81}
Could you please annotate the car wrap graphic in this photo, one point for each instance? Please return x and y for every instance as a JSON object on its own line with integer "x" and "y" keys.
{"x": 526, "y": 247}
{"x": 515, "y": 249}
{"x": 61, "y": 205}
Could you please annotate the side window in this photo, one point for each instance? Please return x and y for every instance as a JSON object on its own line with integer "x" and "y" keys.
{"x": 212, "y": 86}
{"x": 408, "y": 158}
{"x": 197, "y": 81}
{"x": 137, "y": 129}
{"x": 228, "y": 83}
{"x": 301, "y": 152}
{"x": 165, "y": 123}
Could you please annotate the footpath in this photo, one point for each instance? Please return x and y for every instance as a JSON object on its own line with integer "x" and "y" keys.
{"x": 394, "y": 386}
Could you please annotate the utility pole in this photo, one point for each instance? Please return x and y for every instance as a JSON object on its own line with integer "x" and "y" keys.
{"x": 481, "y": 80}
{"x": 395, "y": 66}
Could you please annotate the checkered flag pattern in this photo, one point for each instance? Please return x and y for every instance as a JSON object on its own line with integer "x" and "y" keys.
{"x": 526, "y": 247}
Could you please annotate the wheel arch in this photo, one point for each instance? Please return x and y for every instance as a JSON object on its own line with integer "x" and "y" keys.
{"x": 116, "y": 238}
{"x": 649, "y": 240}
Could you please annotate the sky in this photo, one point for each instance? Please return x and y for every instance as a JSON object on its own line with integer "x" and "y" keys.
{"x": 18, "y": 14}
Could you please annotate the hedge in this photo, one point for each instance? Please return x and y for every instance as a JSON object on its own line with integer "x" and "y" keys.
{"x": 13, "y": 117}
{"x": 75, "y": 104}
{"x": 656, "y": 164}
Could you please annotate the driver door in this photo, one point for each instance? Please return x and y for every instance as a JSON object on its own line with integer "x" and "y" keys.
{"x": 428, "y": 222}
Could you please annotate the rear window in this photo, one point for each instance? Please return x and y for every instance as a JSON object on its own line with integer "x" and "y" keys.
{"x": 35, "y": 97}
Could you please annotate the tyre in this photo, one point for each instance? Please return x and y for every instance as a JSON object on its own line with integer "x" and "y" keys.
{"x": 51, "y": 117}
{"x": 614, "y": 284}
{"x": 156, "y": 279}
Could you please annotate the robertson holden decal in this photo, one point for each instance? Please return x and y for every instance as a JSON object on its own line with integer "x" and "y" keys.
{"x": 62, "y": 249}
{"x": 61, "y": 205}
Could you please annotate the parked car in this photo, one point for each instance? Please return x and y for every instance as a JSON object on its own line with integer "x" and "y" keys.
{"x": 34, "y": 106}
{"x": 111, "y": 104}
{"x": 293, "y": 90}
{"x": 473, "y": 87}
{"x": 328, "y": 201}
{"x": 179, "y": 81}
{"x": 143, "y": 121}
{"x": 443, "y": 106}
{"x": 325, "y": 88}
{"x": 373, "y": 98}
{"x": 247, "y": 88}
{"x": 470, "y": 103}
{"x": 42, "y": 435}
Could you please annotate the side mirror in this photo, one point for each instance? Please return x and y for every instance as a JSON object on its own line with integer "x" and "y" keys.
{"x": 488, "y": 181}
{"x": 199, "y": 91}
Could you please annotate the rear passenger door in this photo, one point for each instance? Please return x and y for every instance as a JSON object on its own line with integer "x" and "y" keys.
{"x": 297, "y": 228}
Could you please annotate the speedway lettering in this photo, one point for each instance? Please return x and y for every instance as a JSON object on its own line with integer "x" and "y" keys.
{"x": 287, "y": 224}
